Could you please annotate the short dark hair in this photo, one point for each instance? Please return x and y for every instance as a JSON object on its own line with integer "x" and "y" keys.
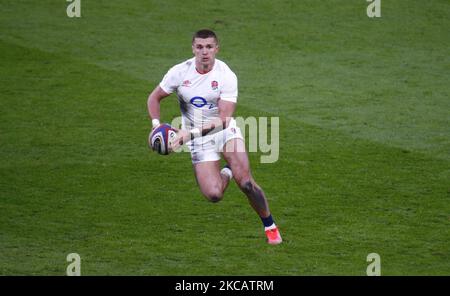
{"x": 205, "y": 33}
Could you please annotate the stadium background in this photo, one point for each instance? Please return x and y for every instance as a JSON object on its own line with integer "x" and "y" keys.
{"x": 364, "y": 138}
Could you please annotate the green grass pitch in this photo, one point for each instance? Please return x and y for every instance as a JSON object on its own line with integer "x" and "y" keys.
{"x": 364, "y": 167}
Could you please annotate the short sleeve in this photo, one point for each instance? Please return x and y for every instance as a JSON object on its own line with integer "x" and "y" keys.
{"x": 170, "y": 82}
{"x": 229, "y": 90}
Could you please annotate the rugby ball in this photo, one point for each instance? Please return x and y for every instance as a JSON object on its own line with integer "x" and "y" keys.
{"x": 160, "y": 137}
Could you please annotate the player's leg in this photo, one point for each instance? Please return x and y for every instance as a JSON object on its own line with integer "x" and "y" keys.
{"x": 237, "y": 158}
{"x": 212, "y": 183}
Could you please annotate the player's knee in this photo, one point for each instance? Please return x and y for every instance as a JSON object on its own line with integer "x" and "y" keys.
{"x": 214, "y": 195}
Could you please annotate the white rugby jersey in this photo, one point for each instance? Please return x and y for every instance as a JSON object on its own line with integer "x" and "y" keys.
{"x": 197, "y": 93}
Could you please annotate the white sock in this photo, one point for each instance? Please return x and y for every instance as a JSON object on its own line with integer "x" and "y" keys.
{"x": 227, "y": 172}
{"x": 270, "y": 227}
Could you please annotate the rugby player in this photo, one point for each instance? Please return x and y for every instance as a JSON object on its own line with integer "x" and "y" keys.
{"x": 207, "y": 92}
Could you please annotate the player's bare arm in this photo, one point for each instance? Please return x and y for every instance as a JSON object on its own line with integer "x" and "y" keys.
{"x": 153, "y": 104}
{"x": 226, "y": 110}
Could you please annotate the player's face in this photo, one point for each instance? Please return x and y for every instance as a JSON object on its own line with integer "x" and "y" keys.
{"x": 205, "y": 51}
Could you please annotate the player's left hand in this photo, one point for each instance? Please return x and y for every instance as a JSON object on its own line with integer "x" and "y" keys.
{"x": 182, "y": 137}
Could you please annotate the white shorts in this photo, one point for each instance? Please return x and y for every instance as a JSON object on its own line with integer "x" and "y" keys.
{"x": 208, "y": 148}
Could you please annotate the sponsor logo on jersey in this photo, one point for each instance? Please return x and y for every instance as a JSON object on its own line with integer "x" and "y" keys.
{"x": 186, "y": 83}
{"x": 214, "y": 85}
{"x": 198, "y": 102}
